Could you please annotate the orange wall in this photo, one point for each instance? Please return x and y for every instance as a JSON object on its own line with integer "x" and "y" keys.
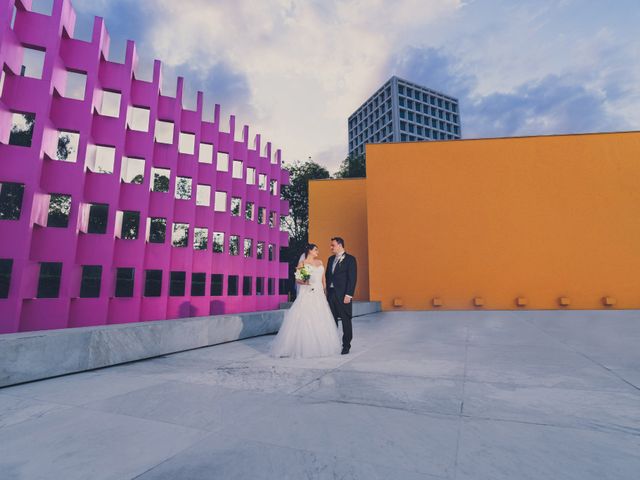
{"x": 338, "y": 208}
{"x": 539, "y": 217}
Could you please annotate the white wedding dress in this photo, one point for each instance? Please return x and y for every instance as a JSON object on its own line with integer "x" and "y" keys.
{"x": 308, "y": 329}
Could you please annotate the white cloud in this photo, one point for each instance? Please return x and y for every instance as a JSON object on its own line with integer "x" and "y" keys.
{"x": 308, "y": 64}
{"x": 295, "y": 69}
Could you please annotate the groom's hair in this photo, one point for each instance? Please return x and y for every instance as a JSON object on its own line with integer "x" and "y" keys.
{"x": 339, "y": 240}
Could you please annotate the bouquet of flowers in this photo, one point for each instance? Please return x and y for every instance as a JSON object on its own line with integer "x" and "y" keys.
{"x": 303, "y": 274}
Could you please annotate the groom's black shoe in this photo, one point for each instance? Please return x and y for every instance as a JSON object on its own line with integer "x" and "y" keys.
{"x": 345, "y": 350}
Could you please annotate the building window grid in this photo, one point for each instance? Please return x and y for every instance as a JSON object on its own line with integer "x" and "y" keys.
{"x": 405, "y": 127}
{"x": 425, "y": 106}
{"x": 429, "y": 120}
{"x": 379, "y": 132}
{"x": 362, "y": 121}
{"x": 370, "y": 114}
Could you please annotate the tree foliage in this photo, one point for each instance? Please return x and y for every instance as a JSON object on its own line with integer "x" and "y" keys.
{"x": 64, "y": 147}
{"x": 354, "y": 166}
{"x": 297, "y": 222}
{"x": 59, "y": 210}
{"x": 183, "y": 188}
{"x": 22, "y": 131}
{"x": 130, "y": 225}
{"x": 138, "y": 179}
{"x": 11, "y": 200}
{"x": 297, "y": 194}
{"x": 161, "y": 183}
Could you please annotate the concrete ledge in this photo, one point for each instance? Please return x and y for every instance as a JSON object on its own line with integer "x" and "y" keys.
{"x": 29, "y": 356}
{"x": 366, "y": 308}
{"x": 359, "y": 308}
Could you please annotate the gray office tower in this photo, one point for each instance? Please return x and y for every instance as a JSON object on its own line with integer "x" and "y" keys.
{"x": 401, "y": 111}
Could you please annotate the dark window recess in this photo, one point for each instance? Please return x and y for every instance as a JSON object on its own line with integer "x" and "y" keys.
{"x": 283, "y": 286}
{"x": 232, "y": 285}
{"x": 49, "y": 280}
{"x": 217, "y": 280}
{"x": 59, "y": 209}
{"x": 260, "y": 286}
{"x": 130, "y": 225}
{"x": 198, "y": 284}
{"x": 246, "y": 285}
{"x": 98, "y": 218}
{"x": 91, "y": 279}
{"x": 11, "y": 200}
{"x": 124, "y": 282}
{"x": 272, "y": 286}
{"x": 177, "y": 283}
{"x": 153, "y": 283}
{"x": 6, "y": 266}
{"x": 157, "y": 230}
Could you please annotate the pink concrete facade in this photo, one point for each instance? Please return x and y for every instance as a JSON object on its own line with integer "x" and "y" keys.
{"x": 30, "y": 240}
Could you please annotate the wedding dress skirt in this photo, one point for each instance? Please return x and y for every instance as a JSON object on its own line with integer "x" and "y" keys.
{"x": 308, "y": 329}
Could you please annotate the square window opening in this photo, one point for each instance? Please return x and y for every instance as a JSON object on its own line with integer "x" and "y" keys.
{"x": 22, "y": 126}
{"x": 180, "y": 235}
{"x": 186, "y": 143}
{"x": 110, "y": 104}
{"x": 138, "y": 118}
{"x": 164, "y": 132}
{"x": 183, "y": 188}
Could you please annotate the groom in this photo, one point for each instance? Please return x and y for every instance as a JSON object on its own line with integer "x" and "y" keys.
{"x": 341, "y": 276}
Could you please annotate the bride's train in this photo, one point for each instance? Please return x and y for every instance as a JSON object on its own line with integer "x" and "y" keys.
{"x": 308, "y": 329}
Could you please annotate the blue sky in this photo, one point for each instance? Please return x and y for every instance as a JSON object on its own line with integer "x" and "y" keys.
{"x": 295, "y": 69}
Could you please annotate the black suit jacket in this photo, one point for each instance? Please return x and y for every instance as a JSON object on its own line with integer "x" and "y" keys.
{"x": 345, "y": 276}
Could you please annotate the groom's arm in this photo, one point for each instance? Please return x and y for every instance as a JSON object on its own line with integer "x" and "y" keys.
{"x": 327, "y": 271}
{"x": 352, "y": 275}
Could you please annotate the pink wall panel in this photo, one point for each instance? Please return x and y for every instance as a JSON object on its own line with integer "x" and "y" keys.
{"x": 28, "y": 241}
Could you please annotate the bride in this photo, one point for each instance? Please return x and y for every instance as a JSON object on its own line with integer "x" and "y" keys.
{"x": 308, "y": 329}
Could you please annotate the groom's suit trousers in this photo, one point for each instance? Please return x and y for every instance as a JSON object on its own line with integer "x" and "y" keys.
{"x": 344, "y": 312}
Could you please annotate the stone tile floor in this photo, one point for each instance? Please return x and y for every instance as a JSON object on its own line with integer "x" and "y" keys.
{"x": 423, "y": 395}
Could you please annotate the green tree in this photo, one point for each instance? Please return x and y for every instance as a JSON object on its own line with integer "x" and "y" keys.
{"x": 130, "y": 225}
{"x": 200, "y": 237}
{"x": 161, "y": 183}
{"x": 22, "y": 129}
{"x": 183, "y": 188}
{"x": 11, "y": 200}
{"x": 297, "y": 222}
{"x": 180, "y": 237}
{"x": 59, "y": 210}
{"x": 138, "y": 179}
{"x": 354, "y": 166}
{"x": 64, "y": 147}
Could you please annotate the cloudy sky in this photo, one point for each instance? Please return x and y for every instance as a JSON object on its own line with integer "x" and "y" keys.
{"x": 295, "y": 69}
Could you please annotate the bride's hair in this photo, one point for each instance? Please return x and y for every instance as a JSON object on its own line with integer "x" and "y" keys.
{"x": 308, "y": 248}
